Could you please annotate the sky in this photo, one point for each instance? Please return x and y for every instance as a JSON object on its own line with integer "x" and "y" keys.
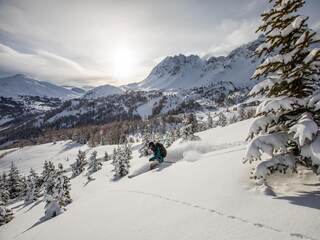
{"x": 96, "y": 42}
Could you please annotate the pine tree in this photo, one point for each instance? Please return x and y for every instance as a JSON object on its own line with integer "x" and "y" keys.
{"x": 191, "y": 126}
{"x": 30, "y": 195}
{"x": 62, "y": 187}
{"x": 168, "y": 139}
{"x": 37, "y": 180}
{"x": 191, "y": 120}
{"x": 78, "y": 166}
{"x": 121, "y": 160}
{"x": 158, "y": 137}
{"x": 106, "y": 156}
{"x": 6, "y": 214}
{"x": 48, "y": 177}
{"x": 127, "y": 153}
{"x": 57, "y": 193}
{"x": 146, "y": 139}
{"x": 222, "y": 120}
{"x": 176, "y": 133}
{"x": 47, "y": 172}
{"x": 4, "y": 193}
{"x": 32, "y": 187}
{"x": 286, "y": 124}
{"x": 209, "y": 121}
{"x": 15, "y": 185}
{"x": 23, "y": 186}
{"x": 94, "y": 163}
{"x": 33, "y": 173}
{"x": 114, "y": 156}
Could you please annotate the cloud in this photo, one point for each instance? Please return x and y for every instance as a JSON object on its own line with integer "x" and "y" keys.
{"x": 46, "y": 66}
{"x": 235, "y": 34}
{"x": 76, "y": 40}
{"x": 316, "y": 26}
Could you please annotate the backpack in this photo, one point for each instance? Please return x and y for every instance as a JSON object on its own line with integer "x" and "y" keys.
{"x": 163, "y": 150}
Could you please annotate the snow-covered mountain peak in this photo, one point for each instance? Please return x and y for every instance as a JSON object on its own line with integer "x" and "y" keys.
{"x": 19, "y": 75}
{"x": 183, "y": 72}
{"x": 172, "y": 65}
{"x": 21, "y": 85}
{"x": 103, "y": 91}
{"x": 247, "y": 50}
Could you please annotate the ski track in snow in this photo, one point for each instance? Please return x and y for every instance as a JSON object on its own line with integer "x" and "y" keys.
{"x": 222, "y": 214}
{"x": 216, "y": 148}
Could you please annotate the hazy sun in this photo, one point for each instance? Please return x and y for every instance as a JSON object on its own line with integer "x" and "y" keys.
{"x": 125, "y": 61}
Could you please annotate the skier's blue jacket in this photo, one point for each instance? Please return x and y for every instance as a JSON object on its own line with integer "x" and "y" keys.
{"x": 157, "y": 155}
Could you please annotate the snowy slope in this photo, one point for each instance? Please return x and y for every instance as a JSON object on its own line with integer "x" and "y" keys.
{"x": 184, "y": 72}
{"x": 103, "y": 91}
{"x": 21, "y": 85}
{"x": 206, "y": 194}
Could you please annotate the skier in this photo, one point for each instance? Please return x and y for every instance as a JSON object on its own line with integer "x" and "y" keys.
{"x": 159, "y": 152}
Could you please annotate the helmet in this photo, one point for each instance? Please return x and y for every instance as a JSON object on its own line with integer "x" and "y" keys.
{"x": 151, "y": 145}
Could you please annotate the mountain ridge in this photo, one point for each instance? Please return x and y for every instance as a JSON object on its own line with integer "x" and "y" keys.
{"x": 21, "y": 85}
{"x": 182, "y": 72}
{"x": 173, "y": 72}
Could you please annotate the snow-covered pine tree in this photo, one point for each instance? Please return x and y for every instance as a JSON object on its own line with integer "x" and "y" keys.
{"x": 47, "y": 172}
{"x": 48, "y": 175}
{"x": 191, "y": 125}
{"x": 15, "y": 184}
{"x": 78, "y": 165}
{"x": 146, "y": 139}
{"x": 222, "y": 119}
{"x": 52, "y": 207}
{"x": 6, "y": 214}
{"x": 176, "y": 133}
{"x": 121, "y": 161}
{"x": 168, "y": 138}
{"x": 32, "y": 173}
{"x": 94, "y": 163}
{"x": 37, "y": 180}
{"x": 127, "y": 153}
{"x": 57, "y": 194}
{"x": 286, "y": 124}
{"x": 209, "y": 121}
{"x": 4, "y": 193}
{"x": 62, "y": 187}
{"x": 31, "y": 194}
{"x": 158, "y": 137}
{"x": 115, "y": 161}
{"x": 24, "y": 186}
{"x": 66, "y": 197}
{"x": 106, "y": 156}
{"x": 3, "y": 178}
{"x": 192, "y": 120}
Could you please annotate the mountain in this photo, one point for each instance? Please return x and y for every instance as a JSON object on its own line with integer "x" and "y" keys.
{"x": 181, "y": 84}
{"x": 19, "y": 84}
{"x": 77, "y": 90}
{"x": 183, "y": 72}
{"x": 103, "y": 91}
{"x": 30, "y": 123}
